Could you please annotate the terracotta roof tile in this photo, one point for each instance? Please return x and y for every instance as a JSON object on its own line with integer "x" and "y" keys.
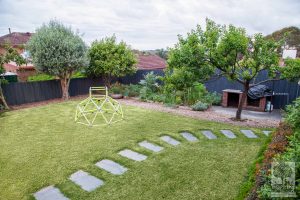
{"x": 150, "y": 62}
{"x": 15, "y": 38}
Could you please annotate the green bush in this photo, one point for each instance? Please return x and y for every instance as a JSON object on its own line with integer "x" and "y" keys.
{"x": 117, "y": 88}
{"x": 213, "y": 98}
{"x": 200, "y": 106}
{"x": 40, "y": 77}
{"x": 132, "y": 90}
{"x": 150, "y": 87}
{"x": 195, "y": 93}
{"x": 293, "y": 114}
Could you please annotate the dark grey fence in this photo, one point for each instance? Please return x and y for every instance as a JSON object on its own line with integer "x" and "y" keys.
{"x": 28, "y": 92}
{"x": 20, "y": 93}
{"x": 292, "y": 89}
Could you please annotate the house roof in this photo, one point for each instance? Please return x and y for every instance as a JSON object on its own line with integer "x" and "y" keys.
{"x": 12, "y": 67}
{"x": 150, "y": 62}
{"x": 15, "y": 38}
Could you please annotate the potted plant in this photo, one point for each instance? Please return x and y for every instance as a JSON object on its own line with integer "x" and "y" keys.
{"x": 116, "y": 91}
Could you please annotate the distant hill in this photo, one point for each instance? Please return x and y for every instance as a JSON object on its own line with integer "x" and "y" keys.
{"x": 292, "y": 38}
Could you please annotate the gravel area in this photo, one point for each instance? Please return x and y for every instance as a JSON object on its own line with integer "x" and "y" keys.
{"x": 206, "y": 115}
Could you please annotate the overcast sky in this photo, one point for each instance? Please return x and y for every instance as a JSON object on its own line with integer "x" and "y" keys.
{"x": 147, "y": 24}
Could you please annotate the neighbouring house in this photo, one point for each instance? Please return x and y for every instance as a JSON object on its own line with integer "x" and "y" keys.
{"x": 18, "y": 41}
{"x": 150, "y": 62}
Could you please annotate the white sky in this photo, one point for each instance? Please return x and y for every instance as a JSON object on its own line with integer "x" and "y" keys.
{"x": 147, "y": 24}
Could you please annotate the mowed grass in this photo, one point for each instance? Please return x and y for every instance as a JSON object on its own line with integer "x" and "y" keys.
{"x": 43, "y": 146}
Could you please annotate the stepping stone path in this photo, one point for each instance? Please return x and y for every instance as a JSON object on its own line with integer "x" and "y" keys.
{"x": 170, "y": 140}
{"x": 111, "y": 167}
{"x": 49, "y": 193}
{"x": 89, "y": 183}
{"x": 228, "y": 133}
{"x": 267, "y": 133}
{"x": 249, "y": 133}
{"x": 189, "y": 137}
{"x": 86, "y": 181}
{"x": 209, "y": 135}
{"x": 132, "y": 155}
{"x": 151, "y": 146}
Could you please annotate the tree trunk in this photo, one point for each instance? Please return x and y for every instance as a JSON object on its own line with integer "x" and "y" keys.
{"x": 2, "y": 98}
{"x": 242, "y": 101}
{"x": 107, "y": 80}
{"x": 64, "y": 82}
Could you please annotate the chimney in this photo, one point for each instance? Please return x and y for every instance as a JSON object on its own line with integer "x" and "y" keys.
{"x": 9, "y": 30}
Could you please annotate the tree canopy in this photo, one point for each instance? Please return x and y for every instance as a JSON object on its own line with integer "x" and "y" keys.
{"x": 227, "y": 49}
{"x": 291, "y": 71}
{"x": 10, "y": 54}
{"x": 58, "y": 51}
{"x": 110, "y": 59}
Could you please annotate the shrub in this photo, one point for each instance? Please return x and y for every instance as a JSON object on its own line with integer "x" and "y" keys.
{"x": 150, "y": 86}
{"x": 132, "y": 90}
{"x": 200, "y": 106}
{"x": 195, "y": 93}
{"x": 117, "y": 88}
{"x": 293, "y": 114}
{"x": 40, "y": 77}
{"x": 213, "y": 98}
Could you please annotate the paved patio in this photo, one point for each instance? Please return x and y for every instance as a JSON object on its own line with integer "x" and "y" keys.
{"x": 276, "y": 114}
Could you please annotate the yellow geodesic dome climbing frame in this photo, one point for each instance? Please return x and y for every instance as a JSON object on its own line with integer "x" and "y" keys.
{"x": 98, "y": 108}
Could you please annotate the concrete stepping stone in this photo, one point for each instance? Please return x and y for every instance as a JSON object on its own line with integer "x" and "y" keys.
{"x": 111, "y": 167}
{"x": 150, "y": 146}
{"x": 170, "y": 140}
{"x": 209, "y": 135}
{"x": 228, "y": 133}
{"x": 267, "y": 133}
{"x": 249, "y": 133}
{"x": 132, "y": 155}
{"x": 189, "y": 137}
{"x": 49, "y": 193}
{"x": 86, "y": 181}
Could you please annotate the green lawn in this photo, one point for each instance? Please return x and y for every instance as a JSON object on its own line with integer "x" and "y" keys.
{"x": 43, "y": 146}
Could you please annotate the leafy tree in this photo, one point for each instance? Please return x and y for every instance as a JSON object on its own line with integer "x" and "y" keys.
{"x": 291, "y": 71}
{"x": 58, "y": 51}
{"x": 228, "y": 50}
{"x": 186, "y": 66}
{"x": 10, "y": 54}
{"x": 110, "y": 59}
{"x": 239, "y": 57}
{"x": 188, "y": 56}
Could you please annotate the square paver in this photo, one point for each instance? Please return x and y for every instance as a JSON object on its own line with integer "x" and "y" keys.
{"x": 189, "y": 137}
{"x": 228, "y": 133}
{"x": 150, "y": 146}
{"x": 209, "y": 134}
{"x": 86, "y": 181}
{"x": 132, "y": 155}
{"x": 249, "y": 133}
{"x": 267, "y": 133}
{"x": 111, "y": 167}
{"x": 49, "y": 193}
{"x": 170, "y": 140}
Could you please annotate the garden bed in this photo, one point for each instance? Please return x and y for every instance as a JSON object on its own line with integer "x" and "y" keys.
{"x": 207, "y": 115}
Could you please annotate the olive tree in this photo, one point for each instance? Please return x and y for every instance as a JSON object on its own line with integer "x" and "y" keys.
{"x": 9, "y": 54}
{"x": 58, "y": 51}
{"x": 110, "y": 59}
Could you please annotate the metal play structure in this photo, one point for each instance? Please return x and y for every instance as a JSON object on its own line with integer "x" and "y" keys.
{"x": 98, "y": 108}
